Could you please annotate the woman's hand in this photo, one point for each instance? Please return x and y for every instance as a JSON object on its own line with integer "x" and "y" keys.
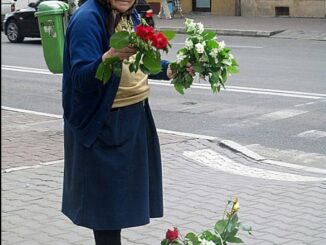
{"x": 171, "y": 74}
{"x": 122, "y": 54}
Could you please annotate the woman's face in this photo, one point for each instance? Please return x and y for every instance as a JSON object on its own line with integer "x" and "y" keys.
{"x": 121, "y": 5}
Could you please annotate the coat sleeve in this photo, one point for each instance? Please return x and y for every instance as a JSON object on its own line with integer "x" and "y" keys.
{"x": 85, "y": 51}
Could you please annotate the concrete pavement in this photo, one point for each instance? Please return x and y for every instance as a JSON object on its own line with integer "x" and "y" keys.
{"x": 283, "y": 204}
{"x": 275, "y": 27}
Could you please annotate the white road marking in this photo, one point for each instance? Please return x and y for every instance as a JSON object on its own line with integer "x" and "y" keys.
{"x": 214, "y": 160}
{"x": 8, "y": 170}
{"x": 28, "y": 70}
{"x": 229, "y": 46}
{"x": 312, "y": 134}
{"x": 269, "y": 117}
{"x": 252, "y": 91}
{"x": 31, "y": 112}
{"x": 206, "y": 86}
{"x": 278, "y": 115}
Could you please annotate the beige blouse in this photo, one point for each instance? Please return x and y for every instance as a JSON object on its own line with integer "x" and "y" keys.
{"x": 133, "y": 87}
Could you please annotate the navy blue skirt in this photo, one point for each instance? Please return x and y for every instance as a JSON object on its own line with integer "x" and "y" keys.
{"x": 116, "y": 183}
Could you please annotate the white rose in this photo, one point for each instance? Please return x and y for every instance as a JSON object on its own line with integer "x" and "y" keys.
{"x": 200, "y": 27}
{"x": 214, "y": 52}
{"x": 189, "y": 44}
{"x": 222, "y": 45}
{"x": 200, "y": 48}
{"x": 180, "y": 57}
{"x": 189, "y": 22}
{"x": 191, "y": 28}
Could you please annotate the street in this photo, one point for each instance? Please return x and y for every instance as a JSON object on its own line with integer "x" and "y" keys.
{"x": 275, "y": 106}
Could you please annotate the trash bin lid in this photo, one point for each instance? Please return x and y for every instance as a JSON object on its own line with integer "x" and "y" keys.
{"x": 51, "y": 8}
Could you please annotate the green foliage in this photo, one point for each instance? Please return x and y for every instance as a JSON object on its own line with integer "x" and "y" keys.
{"x": 169, "y": 34}
{"x": 210, "y": 59}
{"x": 152, "y": 62}
{"x": 225, "y": 230}
{"x": 119, "y": 40}
{"x": 147, "y": 58}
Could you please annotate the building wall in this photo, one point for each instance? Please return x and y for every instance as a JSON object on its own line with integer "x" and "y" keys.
{"x": 297, "y": 8}
{"x": 218, "y": 7}
{"x": 223, "y": 7}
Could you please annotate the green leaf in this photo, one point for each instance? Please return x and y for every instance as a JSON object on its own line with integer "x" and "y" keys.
{"x": 119, "y": 40}
{"x": 234, "y": 240}
{"x": 224, "y": 75}
{"x": 184, "y": 62}
{"x": 233, "y": 69}
{"x": 179, "y": 87}
{"x": 106, "y": 74}
{"x": 198, "y": 68}
{"x": 111, "y": 60}
{"x": 152, "y": 63}
{"x": 220, "y": 226}
{"x": 232, "y": 233}
{"x": 137, "y": 60}
{"x": 211, "y": 44}
{"x": 234, "y": 218}
{"x": 193, "y": 238}
{"x": 165, "y": 242}
{"x": 99, "y": 72}
{"x": 132, "y": 67}
{"x": 144, "y": 69}
{"x": 214, "y": 77}
{"x": 117, "y": 69}
{"x": 208, "y": 35}
{"x": 173, "y": 65}
{"x": 208, "y": 235}
{"x": 169, "y": 34}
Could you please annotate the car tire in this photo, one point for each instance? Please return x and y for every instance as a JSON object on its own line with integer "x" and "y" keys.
{"x": 13, "y": 33}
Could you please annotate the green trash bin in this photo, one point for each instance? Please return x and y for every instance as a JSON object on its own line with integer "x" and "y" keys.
{"x": 52, "y": 21}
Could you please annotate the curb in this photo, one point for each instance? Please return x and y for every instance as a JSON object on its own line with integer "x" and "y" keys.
{"x": 227, "y": 32}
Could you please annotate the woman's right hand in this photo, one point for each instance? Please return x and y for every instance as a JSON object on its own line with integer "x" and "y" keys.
{"x": 122, "y": 54}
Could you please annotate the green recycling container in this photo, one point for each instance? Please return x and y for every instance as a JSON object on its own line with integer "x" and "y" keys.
{"x": 52, "y": 21}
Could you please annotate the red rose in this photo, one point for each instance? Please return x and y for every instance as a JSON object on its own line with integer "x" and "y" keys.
{"x": 160, "y": 41}
{"x": 145, "y": 32}
{"x": 172, "y": 235}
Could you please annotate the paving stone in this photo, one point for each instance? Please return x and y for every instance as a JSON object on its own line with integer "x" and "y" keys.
{"x": 279, "y": 212}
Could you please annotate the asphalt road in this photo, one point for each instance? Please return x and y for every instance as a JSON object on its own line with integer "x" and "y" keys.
{"x": 274, "y": 106}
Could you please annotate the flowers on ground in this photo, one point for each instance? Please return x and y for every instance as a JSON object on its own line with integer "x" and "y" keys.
{"x": 225, "y": 231}
{"x": 149, "y": 44}
{"x": 172, "y": 235}
{"x": 210, "y": 59}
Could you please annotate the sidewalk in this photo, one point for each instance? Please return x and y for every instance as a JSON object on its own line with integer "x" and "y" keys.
{"x": 276, "y": 27}
{"x": 284, "y": 205}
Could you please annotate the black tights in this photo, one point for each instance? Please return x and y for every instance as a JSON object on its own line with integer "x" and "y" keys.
{"x": 107, "y": 237}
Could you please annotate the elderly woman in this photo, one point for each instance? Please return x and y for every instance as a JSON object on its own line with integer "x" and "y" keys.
{"x": 112, "y": 162}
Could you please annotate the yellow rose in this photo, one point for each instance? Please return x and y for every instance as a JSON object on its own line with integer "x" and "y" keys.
{"x": 236, "y": 206}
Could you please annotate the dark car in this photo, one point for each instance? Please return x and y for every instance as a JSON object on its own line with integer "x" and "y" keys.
{"x": 23, "y": 23}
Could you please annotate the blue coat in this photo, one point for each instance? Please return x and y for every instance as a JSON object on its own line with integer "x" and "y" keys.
{"x": 112, "y": 173}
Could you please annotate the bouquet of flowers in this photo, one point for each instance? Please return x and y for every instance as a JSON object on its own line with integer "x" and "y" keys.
{"x": 209, "y": 58}
{"x": 148, "y": 43}
{"x": 225, "y": 231}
